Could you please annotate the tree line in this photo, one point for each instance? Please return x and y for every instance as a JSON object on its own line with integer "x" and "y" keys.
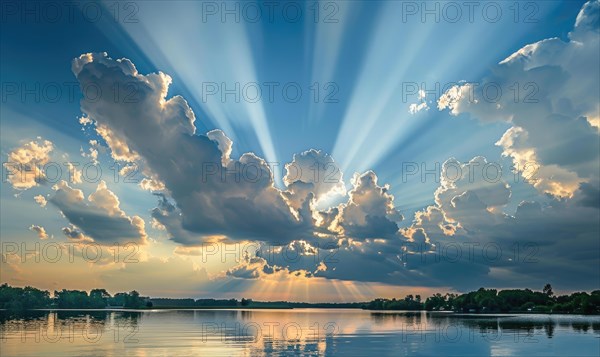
{"x": 27, "y": 298}
{"x": 494, "y": 301}
{"x": 190, "y": 303}
{"x": 480, "y": 301}
{"x": 16, "y": 298}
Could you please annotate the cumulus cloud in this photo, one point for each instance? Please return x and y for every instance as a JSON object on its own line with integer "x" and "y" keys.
{"x": 470, "y": 198}
{"x": 370, "y": 211}
{"x": 72, "y": 233}
{"x": 312, "y": 179}
{"x": 548, "y": 91}
{"x": 238, "y": 200}
{"x": 552, "y": 179}
{"x": 472, "y": 193}
{"x": 211, "y": 196}
{"x": 208, "y": 193}
{"x": 41, "y": 231}
{"x": 430, "y": 225}
{"x": 466, "y": 237}
{"x": 468, "y": 207}
{"x": 40, "y": 200}
{"x": 99, "y": 217}
{"x": 252, "y": 267}
{"x": 485, "y": 242}
{"x": 319, "y": 170}
{"x": 414, "y": 108}
{"x": 25, "y": 164}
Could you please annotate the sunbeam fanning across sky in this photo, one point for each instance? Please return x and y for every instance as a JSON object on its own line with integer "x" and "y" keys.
{"x": 220, "y": 56}
{"x": 383, "y": 71}
{"x": 209, "y": 173}
{"x": 327, "y": 42}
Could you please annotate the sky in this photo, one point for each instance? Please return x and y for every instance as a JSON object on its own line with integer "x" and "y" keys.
{"x": 302, "y": 151}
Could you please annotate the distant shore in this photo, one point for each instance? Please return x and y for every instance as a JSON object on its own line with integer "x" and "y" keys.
{"x": 482, "y": 301}
{"x": 193, "y": 308}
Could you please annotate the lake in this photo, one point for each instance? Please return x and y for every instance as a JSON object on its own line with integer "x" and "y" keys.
{"x": 344, "y": 332}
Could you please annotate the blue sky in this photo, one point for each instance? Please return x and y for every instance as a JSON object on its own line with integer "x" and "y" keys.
{"x": 366, "y": 58}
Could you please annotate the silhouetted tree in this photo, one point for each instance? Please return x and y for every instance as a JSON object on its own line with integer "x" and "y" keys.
{"x": 548, "y": 290}
{"x": 99, "y": 298}
{"x": 133, "y": 300}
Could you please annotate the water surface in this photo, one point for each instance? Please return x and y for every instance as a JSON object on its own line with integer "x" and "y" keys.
{"x": 343, "y": 332}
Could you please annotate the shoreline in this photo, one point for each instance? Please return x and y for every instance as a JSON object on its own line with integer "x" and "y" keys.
{"x": 156, "y": 309}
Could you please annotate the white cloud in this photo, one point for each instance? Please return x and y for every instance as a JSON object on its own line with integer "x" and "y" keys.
{"x": 238, "y": 200}
{"x": 552, "y": 179}
{"x": 414, "y": 108}
{"x": 549, "y": 92}
{"x": 100, "y": 218}
{"x": 224, "y": 143}
{"x": 25, "y": 164}
{"x": 312, "y": 172}
{"x": 41, "y": 200}
{"x": 41, "y": 231}
{"x": 252, "y": 267}
{"x": 370, "y": 211}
